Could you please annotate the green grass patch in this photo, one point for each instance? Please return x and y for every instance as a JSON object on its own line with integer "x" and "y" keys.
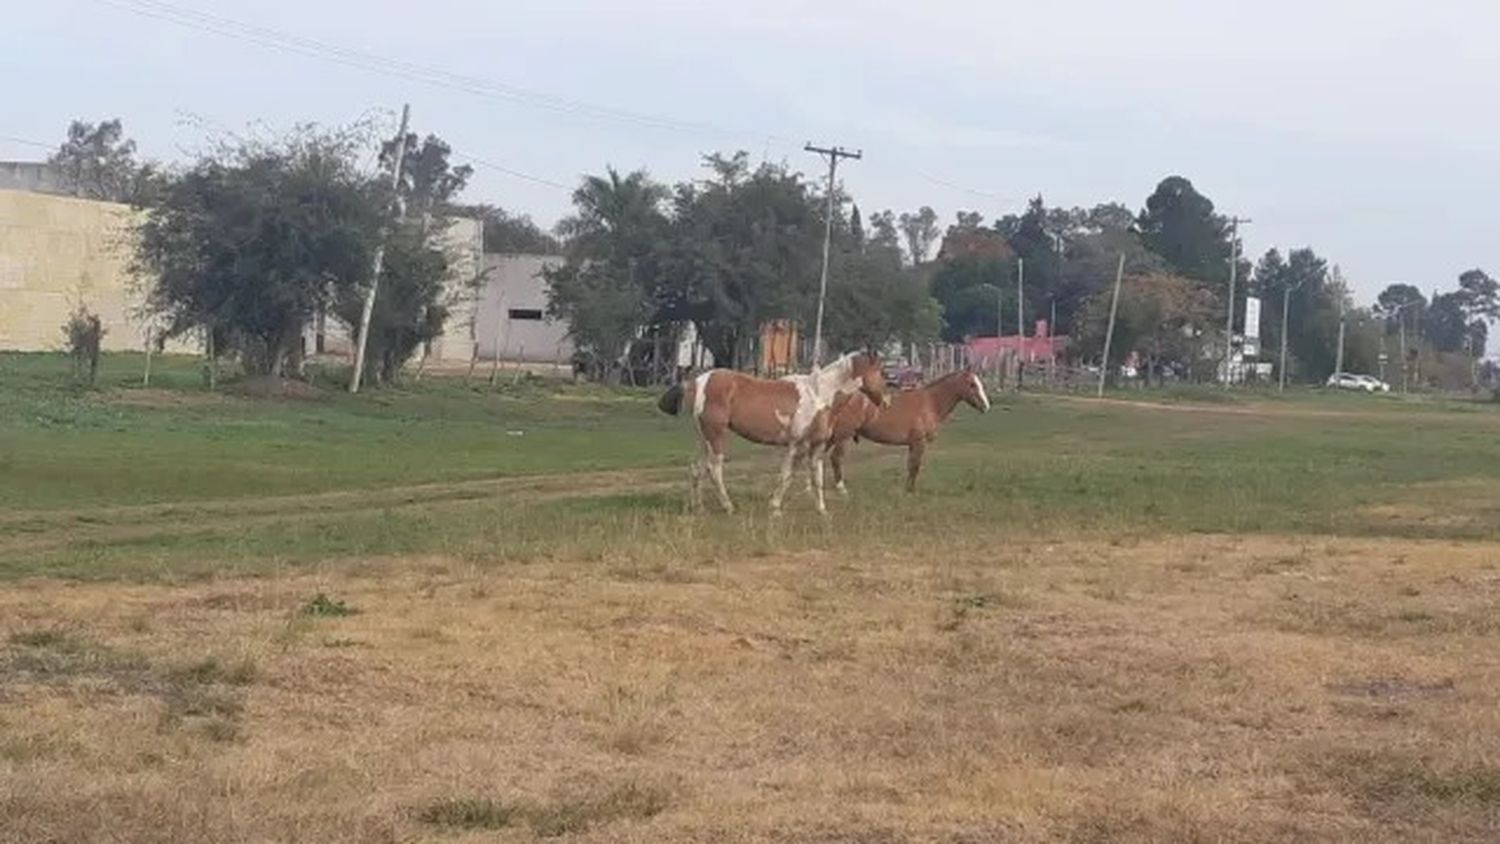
{"x": 1037, "y": 467}
{"x": 323, "y": 606}
{"x": 550, "y": 819}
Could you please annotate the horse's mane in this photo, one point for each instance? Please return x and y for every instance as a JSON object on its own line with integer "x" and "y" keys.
{"x": 946, "y": 378}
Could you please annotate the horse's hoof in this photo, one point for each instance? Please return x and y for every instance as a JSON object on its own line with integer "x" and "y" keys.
{"x": 843, "y": 490}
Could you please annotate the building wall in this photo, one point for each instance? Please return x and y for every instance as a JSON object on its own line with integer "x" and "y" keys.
{"x": 464, "y": 241}
{"x": 510, "y": 314}
{"x": 56, "y": 253}
{"x": 35, "y": 176}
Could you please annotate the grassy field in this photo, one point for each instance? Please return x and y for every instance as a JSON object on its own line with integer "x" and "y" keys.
{"x": 459, "y": 613}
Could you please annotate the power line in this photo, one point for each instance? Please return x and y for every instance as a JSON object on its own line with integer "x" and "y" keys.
{"x": 437, "y": 77}
{"x": 489, "y": 165}
{"x": 27, "y": 143}
{"x": 313, "y": 48}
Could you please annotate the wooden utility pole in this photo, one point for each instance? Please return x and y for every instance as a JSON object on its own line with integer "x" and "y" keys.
{"x": 1020, "y": 302}
{"x": 1109, "y": 333}
{"x": 369, "y": 307}
{"x": 1286, "y": 301}
{"x": 1234, "y": 268}
{"x": 833, "y": 154}
{"x": 1338, "y": 361}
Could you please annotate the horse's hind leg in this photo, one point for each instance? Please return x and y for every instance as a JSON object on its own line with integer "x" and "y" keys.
{"x": 695, "y": 475}
{"x": 914, "y": 453}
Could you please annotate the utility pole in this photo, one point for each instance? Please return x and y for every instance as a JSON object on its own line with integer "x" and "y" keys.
{"x": 833, "y": 154}
{"x": 1020, "y": 303}
{"x": 1109, "y": 333}
{"x": 1234, "y": 267}
{"x": 369, "y": 307}
{"x": 1405, "y": 364}
{"x": 1338, "y": 361}
{"x": 1286, "y": 300}
{"x": 1057, "y": 241}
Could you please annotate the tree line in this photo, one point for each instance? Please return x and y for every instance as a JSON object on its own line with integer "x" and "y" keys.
{"x": 252, "y": 241}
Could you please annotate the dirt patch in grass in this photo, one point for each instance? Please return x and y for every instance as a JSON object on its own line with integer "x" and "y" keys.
{"x": 271, "y": 387}
{"x": 1203, "y": 688}
{"x": 152, "y": 397}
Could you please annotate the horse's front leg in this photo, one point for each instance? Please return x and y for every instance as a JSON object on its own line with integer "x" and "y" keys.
{"x": 788, "y": 466}
{"x": 836, "y": 463}
{"x": 815, "y": 477}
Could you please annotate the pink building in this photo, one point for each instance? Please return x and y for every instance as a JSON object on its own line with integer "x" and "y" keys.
{"x": 1041, "y": 348}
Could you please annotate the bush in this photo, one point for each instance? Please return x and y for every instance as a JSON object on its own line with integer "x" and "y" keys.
{"x": 83, "y": 333}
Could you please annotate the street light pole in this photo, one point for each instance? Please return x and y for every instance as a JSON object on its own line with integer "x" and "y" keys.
{"x": 1234, "y": 267}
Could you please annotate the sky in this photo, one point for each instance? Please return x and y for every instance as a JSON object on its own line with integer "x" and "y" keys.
{"x": 1366, "y": 130}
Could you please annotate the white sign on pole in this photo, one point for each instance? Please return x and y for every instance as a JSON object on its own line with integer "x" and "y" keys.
{"x": 1252, "y": 318}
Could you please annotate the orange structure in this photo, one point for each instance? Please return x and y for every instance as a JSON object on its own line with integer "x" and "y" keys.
{"x": 778, "y": 346}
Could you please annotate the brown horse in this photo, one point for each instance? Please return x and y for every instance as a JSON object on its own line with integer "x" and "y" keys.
{"x": 912, "y": 420}
{"x": 794, "y": 412}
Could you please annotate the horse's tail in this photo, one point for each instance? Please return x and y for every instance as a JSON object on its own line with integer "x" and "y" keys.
{"x": 670, "y": 402}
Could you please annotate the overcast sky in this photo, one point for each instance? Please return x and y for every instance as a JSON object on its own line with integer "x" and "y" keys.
{"x": 1367, "y": 130}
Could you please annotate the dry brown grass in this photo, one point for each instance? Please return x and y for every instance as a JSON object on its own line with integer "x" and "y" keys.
{"x": 1189, "y": 689}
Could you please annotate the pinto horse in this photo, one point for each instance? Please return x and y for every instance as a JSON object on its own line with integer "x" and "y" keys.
{"x": 794, "y": 412}
{"x": 912, "y": 420}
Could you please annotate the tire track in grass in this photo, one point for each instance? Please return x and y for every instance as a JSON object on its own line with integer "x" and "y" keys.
{"x": 52, "y": 530}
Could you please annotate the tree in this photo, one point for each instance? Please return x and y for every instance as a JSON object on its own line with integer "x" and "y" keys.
{"x": 921, "y": 232}
{"x": 884, "y": 234}
{"x": 873, "y": 300}
{"x": 1031, "y": 239}
{"x": 415, "y": 291}
{"x": 969, "y": 237}
{"x": 745, "y": 248}
{"x": 98, "y": 162}
{"x": 973, "y": 290}
{"x": 1162, "y": 317}
{"x": 252, "y": 241}
{"x": 1481, "y": 301}
{"x": 1097, "y": 238}
{"x": 1401, "y": 301}
{"x": 84, "y": 333}
{"x": 510, "y": 234}
{"x": 1302, "y": 281}
{"x": 1179, "y": 224}
{"x": 969, "y": 221}
{"x": 605, "y": 289}
{"x": 429, "y": 181}
{"x": 1446, "y": 322}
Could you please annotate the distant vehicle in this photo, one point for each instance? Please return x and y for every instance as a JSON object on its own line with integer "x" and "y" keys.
{"x": 903, "y": 377}
{"x": 1350, "y": 381}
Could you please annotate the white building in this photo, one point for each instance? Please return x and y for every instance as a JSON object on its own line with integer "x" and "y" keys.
{"x": 509, "y": 315}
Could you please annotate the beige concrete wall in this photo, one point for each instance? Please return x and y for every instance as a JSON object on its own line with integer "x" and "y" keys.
{"x": 57, "y": 252}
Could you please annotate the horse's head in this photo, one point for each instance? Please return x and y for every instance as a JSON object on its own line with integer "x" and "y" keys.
{"x": 868, "y": 374}
{"x": 971, "y": 390}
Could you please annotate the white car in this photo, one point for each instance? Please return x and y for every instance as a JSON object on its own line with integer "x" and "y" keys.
{"x": 1348, "y": 381}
